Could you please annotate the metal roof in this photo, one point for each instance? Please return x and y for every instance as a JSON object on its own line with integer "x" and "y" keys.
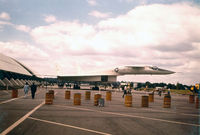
{"x": 12, "y": 65}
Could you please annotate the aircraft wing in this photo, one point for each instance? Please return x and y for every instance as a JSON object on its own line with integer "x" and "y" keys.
{"x": 111, "y": 75}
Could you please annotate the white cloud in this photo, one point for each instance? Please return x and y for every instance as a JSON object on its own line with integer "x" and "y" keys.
{"x": 21, "y": 49}
{"x": 92, "y": 2}
{"x": 23, "y": 28}
{"x": 98, "y": 14}
{"x": 3, "y": 23}
{"x": 50, "y": 18}
{"x": 160, "y": 35}
{"x": 126, "y": 1}
{"x": 140, "y": 2}
{"x": 152, "y": 25}
{"x": 4, "y": 16}
{"x": 29, "y": 55}
{"x": 71, "y": 35}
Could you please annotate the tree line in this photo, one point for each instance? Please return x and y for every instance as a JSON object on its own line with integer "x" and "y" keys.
{"x": 148, "y": 84}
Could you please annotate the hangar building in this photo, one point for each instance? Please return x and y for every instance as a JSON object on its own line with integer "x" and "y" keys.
{"x": 14, "y": 74}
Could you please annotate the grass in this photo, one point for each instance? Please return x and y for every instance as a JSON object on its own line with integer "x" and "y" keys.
{"x": 186, "y": 92}
{"x": 175, "y": 91}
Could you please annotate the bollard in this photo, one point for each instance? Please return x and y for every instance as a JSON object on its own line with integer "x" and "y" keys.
{"x": 77, "y": 98}
{"x": 108, "y": 95}
{"x": 87, "y": 95}
{"x": 14, "y": 93}
{"x": 48, "y": 98}
{"x": 52, "y": 93}
{"x": 167, "y": 101}
{"x": 145, "y": 101}
{"x": 96, "y": 98}
{"x": 128, "y": 100}
{"x": 151, "y": 97}
{"x": 191, "y": 99}
{"x": 67, "y": 94}
{"x": 197, "y": 102}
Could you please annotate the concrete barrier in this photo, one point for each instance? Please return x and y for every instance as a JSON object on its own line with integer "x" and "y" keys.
{"x": 77, "y": 98}
{"x": 167, "y": 101}
{"x": 108, "y": 95}
{"x": 151, "y": 97}
{"x": 128, "y": 100}
{"x": 67, "y": 94}
{"x": 48, "y": 99}
{"x": 87, "y": 95}
{"x": 96, "y": 98}
{"x": 52, "y": 93}
{"x": 14, "y": 93}
{"x": 145, "y": 101}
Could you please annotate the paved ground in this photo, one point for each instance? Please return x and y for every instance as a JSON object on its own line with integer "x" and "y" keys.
{"x": 26, "y": 116}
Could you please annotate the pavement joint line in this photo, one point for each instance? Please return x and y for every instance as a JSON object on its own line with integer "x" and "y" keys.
{"x": 66, "y": 125}
{"x": 155, "y": 110}
{"x": 21, "y": 120}
{"x": 133, "y": 116}
{"x": 186, "y": 108}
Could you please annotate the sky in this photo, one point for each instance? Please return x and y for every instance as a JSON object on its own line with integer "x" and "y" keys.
{"x": 70, "y": 37}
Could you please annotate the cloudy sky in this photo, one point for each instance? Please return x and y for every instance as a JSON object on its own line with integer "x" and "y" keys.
{"x": 75, "y": 36}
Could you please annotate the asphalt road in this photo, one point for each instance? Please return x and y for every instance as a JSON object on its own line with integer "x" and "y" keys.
{"x": 26, "y": 116}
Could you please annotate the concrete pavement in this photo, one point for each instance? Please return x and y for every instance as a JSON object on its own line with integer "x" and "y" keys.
{"x": 32, "y": 116}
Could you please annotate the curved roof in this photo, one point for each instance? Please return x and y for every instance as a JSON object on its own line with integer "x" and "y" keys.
{"x": 12, "y": 65}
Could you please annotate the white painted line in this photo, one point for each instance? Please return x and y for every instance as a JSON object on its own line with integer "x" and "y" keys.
{"x": 8, "y": 100}
{"x": 12, "y": 99}
{"x": 21, "y": 120}
{"x": 66, "y": 125}
{"x": 3, "y": 102}
{"x": 133, "y": 116}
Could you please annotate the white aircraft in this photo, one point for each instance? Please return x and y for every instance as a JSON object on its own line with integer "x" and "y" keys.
{"x": 111, "y": 75}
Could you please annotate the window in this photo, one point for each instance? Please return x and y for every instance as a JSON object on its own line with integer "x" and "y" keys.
{"x": 104, "y": 78}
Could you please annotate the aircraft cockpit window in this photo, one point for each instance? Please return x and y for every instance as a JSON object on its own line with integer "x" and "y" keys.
{"x": 155, "y": 68}
{"x": 116, "y": 69}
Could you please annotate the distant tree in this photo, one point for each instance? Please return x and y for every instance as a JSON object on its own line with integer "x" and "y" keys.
{"x": 154, "y": 85}
{"x": 162, "y": 84}
{"x": 180, "y": 86}
{"x": 131, "y": 84}
{"x": 139, "y": 85}
{"x": 173, "y": 86}
{"x": 169, "y": 86}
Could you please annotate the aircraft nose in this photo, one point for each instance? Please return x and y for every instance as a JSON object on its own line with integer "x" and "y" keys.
{"x": 170, "y": 72}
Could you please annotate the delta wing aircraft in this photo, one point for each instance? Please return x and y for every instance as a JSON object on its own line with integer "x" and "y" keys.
{"x": 111, "y": 75}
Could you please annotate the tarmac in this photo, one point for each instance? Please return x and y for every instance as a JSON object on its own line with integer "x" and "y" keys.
{"x": 27, "y": 116}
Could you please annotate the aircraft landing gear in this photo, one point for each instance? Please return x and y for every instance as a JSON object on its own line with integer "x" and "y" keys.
{"x": 95, "y": 88}
{"x": 76, "y": 86}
